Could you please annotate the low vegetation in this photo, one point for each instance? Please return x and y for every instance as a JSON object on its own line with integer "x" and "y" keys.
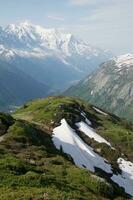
{"x": 31, "y": 168}
{"x": 50, "y": 111}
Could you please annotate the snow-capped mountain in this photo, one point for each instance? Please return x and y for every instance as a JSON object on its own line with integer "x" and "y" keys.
{"x": 26, "y": 35}
{"x": 111, "y": 87}
{"x": 124, "y": 61}
{"x": 27, "y": 45}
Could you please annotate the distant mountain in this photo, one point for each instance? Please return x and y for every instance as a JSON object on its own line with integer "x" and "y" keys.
{"x": 16, "y": 87}
{"x": 110, "y": 88}
{"x": 48, "y": 55}
{"x": 63, "y": 148}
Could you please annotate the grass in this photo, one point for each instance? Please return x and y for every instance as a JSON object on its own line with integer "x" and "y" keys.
{"x": 50, "y": 111}
{"x": 57, "y": 180}
{"x": 31, "y": 168}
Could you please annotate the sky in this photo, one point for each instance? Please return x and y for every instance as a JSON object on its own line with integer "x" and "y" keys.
{"x": 107, "y": 24}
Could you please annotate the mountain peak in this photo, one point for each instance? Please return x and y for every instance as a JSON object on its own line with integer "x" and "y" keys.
{"x": 26, "y": 34}
{"x": 110, "y": 87}
{"x": 19, "y": 28}
{"x": 26, "y": 23}
{"x": 125, "y": 60}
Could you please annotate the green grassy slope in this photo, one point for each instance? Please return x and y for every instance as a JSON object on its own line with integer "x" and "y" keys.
{"x": 49, "y": 112}
{"x": 32, "y": 168}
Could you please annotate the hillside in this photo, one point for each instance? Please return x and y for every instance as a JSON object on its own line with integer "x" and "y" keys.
{"x": 63, "y": 148}
{"x": 110, "y": 87}
{"x": 16, "y": 87}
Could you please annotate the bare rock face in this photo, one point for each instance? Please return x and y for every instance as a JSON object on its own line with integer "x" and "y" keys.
{"x": 111, "y": 87}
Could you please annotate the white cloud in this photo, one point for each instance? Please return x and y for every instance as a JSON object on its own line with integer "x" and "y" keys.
{"x": 108, "y": 25}
{"x": 55, "y": 17}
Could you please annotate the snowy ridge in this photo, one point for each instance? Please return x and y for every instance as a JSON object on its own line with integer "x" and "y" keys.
{"x": 84, "y": 156}
{"x": 6, "y": 53}
{"x": 40, "y": 49}
{"x": 124, "y": 61}
{"x": 9, "y": 54}
{"x": 27, "y": 36}
{"x": 52, "y": 39}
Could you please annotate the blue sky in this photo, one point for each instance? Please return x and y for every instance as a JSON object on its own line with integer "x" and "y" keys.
{"x": 103, "y": 23}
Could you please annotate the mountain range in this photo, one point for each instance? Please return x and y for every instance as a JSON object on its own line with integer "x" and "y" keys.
{"x": 110, "y": 87}
{"x": 48, "y": 55}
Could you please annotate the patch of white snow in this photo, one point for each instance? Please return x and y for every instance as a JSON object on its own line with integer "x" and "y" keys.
{"x": 83, "y": 155}
{"x": 87, "y": 120}
{"x": 125, "y": 179}
{"x": 99, "y": 111}
{"x": 87, "y": 130}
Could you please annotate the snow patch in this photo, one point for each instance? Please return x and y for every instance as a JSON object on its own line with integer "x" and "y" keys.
{"x": 87, "y": 130}
{"x": 126, "y": 167}
{"x": 92, "y": 92}
{"x": 125, "y": 180}
{"x": 83, "y": 155}
{"x": 99, "y": 111}
{"x": 86, "y": 120}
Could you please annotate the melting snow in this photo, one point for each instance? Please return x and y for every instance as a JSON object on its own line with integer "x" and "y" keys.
{"x": 91, "y": 133}
{"x": 125, "y": 180}
{"x": 83, "y": 155}
{"x": 87, "y": 120}
{"x": 126, "y": 166}
{"x": 99, "y": 111}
